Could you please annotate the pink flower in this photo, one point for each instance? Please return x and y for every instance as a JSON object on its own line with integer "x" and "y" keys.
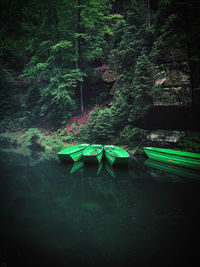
{"x": 83, "y": 121}
{"x": 103, "y": 67}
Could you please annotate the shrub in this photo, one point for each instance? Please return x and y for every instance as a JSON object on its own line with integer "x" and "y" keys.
{"x": 53, "y": 142}
{"x": 35, "y": 137}
{"x": 13, "y": 124}
{"x": 82, "y": 135}
{"x": 30, "y": 137}
{"x": 7, "y": 139}
{"x": 101, "y": 124}
{"x": 191, "y": 142}
{"x": 132, "y": 136}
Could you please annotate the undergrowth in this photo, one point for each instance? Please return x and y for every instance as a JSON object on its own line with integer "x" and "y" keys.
{"x": 191, "y": 142}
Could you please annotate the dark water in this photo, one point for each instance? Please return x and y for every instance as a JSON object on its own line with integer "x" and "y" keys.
{"x": 54, "y": 214}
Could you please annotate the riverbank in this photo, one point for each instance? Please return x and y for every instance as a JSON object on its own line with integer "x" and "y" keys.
{"x": 42, "y": 140}
{"x": 16, "y": 134}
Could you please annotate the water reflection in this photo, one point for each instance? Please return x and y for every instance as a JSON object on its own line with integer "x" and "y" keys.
{"x": 174, "y": 169}
{"x": 110, "y": 170}
{"x": 117, "y": 171}
{"x": 76, "y": 166}
{"x": 93, "y": 169}
{"x": 74, "y": 214}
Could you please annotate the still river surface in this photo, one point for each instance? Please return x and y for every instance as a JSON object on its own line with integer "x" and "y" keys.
{"x": 54, "y": 214}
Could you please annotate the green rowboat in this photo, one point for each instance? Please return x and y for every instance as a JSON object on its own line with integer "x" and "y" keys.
{"x": 116, "y": 155}
{"x": 181, "y": 158}
{"x": 93, "y": 153}
{"x": 73, "y": 153}
{"x": 174, "y": 169}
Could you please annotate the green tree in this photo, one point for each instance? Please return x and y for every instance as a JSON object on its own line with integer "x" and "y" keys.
{"x": 6, "y": 84}
{"x": 101, "y": 124}
{"x": 142, "y": 85}
{"x": 68, "y": 39}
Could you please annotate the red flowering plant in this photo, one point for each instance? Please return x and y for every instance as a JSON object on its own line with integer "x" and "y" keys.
{"x": 102, "y": 68}
{"x": 78, "y": 124}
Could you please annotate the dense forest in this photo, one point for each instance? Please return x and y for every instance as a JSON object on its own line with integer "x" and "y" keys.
{"x": 99, "y": 71}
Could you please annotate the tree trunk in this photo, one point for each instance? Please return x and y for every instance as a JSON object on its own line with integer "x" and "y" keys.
{"x": 148, "y": 22}
{"x": 24, "y": 59}
{"x": 81, "y": 92}
{"x": 56, "y": 23}
{"x": 78, "y": 54}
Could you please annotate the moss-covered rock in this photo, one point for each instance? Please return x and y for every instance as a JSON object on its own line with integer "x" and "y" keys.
{"x": 164, "y": 137}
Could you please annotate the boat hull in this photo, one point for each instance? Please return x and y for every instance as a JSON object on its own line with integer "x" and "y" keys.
{"x": 74, "y": 157}
{"x": 73, "y": 153}
{"x": 93, "y": 159}
{"x": 93, "y": 154}
{"x": 115, "y": 155}
{"x": 180, "y": 158}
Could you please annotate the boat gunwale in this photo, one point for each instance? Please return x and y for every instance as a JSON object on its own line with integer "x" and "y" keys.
{"x": 93, "y": 155}
{"x": 97, "y": 154}
{"x": 117, "y": 156}
{"x": 168, "y": 153}
{"x": 59, "y": 153}
{"x": 120, "y": 157}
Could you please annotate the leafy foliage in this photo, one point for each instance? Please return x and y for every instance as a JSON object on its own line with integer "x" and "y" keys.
{"x": 6, "y": 84}
{"x": 101, "y": 124}
{"x": 7, "y": 139}
{"x": 38, "y": 139}
{"x": 132, "y": 136}
{"x": 30, "y": 137}
{"x": 142, "y": 86}
{"x": 50, "y": 54}
{"x": 191, "y": 142}
{"x": 57, "y": 99}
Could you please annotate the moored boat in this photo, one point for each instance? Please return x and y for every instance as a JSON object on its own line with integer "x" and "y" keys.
{"x": 73, "y": 153}
{"x": 181, "y": 158}
{"x": 93, "y": 153}
{"x": 116, "y": 155}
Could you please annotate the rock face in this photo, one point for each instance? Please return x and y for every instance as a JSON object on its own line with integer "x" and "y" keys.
{"x": 164, "y": 137}
{"x": 109, "y": 76}
{"x": 174, "y": 79}
{"x": 115, "y": 87}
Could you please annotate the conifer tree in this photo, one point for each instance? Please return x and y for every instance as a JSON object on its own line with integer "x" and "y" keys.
{"x": 141, "y": 87}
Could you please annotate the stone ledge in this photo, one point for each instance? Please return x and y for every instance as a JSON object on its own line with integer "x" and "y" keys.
{"x": 165, "y": 137}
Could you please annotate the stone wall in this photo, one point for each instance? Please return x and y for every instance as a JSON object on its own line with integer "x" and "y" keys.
{"x": 174, "y": 80}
